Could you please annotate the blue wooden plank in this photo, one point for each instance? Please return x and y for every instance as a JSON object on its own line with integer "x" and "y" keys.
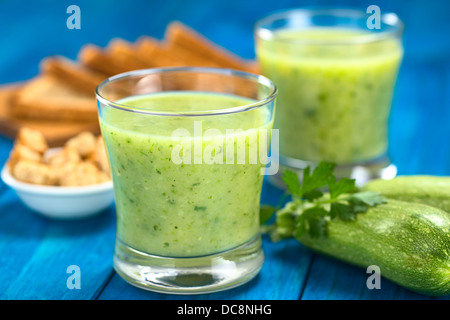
{"x": 433, "y": 121}
{"x": 419, "y": 120}
{"x": 404, "y": 121}
{"x": 36, "y": 252}
{"x": 446, "y": 133}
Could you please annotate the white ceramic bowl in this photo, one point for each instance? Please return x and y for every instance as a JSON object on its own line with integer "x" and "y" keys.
{"x": 62, "y": 202}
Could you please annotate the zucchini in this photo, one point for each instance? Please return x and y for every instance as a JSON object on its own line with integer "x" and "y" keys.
{"x": 431, "y": 190}
{"x": 409, "y": 242}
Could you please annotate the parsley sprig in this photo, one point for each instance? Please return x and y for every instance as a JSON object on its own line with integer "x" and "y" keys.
{"x": 319, "y": 198}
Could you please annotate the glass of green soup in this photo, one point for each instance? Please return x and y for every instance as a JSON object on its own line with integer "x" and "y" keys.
{"x": 336, "y": 71}
{"x": 188, "y": 149}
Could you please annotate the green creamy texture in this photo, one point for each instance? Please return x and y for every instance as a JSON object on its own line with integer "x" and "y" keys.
{"x": 334, "y": 98}
{"x": 180, "y": 210}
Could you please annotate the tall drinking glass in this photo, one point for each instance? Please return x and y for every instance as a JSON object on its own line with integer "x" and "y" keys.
{"x": 182, "y": 144}
{"x": 335, "y": 70}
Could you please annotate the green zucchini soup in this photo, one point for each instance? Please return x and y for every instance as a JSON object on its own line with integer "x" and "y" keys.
{"x": 335, "y": 91}
{"x": 192, "y": 208}
{"x": 188, "y": 149}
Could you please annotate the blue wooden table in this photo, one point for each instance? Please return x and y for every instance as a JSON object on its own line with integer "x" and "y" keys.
{"x": 35, "y": 252}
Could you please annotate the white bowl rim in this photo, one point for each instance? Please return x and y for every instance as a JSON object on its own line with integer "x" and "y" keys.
{"x": 52, "y": 190}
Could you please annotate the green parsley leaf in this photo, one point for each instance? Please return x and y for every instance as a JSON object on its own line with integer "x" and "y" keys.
{"x": 369, "y": 198}
{"x": 265, "y": 213}
{"x": 344, "y": 185}
{"x": 301, "y": 227}
{"x": 292, "y": 183}
{"x": 319, "y": 178}
{"x": 312, "y": 195}
{"x": 285, "y": 223}
{"x": 342, "y": 212}
{"x": 311, "y": 220}
{"x": 357, "y": 205}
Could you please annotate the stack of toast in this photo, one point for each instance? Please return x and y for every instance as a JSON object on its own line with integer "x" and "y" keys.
{"x": 60, "y": 101}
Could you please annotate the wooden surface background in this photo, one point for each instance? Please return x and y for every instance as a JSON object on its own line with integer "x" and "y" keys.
{"x": 35, "y": 252}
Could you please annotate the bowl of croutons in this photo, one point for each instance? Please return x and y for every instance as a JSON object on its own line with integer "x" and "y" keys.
{"x": 71, "y": 181}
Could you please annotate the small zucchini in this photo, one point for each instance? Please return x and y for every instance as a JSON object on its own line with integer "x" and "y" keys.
{"x": 409, "y": 242}
{"x": 431, "y": 190}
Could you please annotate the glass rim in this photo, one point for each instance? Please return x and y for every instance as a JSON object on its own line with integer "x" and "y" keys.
{"x": 388, "y": 18}
{"x": 211, "y": 70}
